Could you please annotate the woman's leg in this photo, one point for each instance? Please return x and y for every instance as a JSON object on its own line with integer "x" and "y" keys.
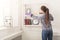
{"x": 44, "y": 35}
{"x": 50, "y": 35}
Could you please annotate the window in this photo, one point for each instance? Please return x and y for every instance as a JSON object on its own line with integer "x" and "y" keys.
{"x": 4, "y": 10}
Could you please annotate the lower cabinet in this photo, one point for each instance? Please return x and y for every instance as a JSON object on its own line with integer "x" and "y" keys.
{"x": 18, "y": 38}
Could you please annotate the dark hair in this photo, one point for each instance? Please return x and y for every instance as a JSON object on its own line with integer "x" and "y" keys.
{"x": 43, "y": 8}
{"x": 46, "y": 11}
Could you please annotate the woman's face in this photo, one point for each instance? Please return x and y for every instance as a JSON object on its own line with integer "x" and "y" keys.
{"x": 41, "y": 12}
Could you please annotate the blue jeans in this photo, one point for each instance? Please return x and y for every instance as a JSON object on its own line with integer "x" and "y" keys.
{"x": 47, "y": 34}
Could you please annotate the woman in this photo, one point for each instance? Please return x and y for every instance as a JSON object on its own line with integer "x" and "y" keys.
{"x": 46, "y": 19}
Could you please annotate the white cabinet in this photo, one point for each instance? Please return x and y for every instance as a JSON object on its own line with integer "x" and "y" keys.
{"x": 31, "y": 33}
{"x": 18, "y": 38}
{"x": 35, "y": 33}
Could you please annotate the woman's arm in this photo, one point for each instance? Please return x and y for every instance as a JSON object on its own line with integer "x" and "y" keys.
{"x": 33, "y": 16}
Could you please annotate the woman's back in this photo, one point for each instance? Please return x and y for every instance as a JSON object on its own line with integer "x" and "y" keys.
{"x": 48, "y": 26}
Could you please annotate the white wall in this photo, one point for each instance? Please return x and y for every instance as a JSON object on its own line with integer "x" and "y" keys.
{"x": 20, "y": 13}
{"x": 14, "y": 11}
{"x": 4, "y": 10}
{"x": 11, "y": 8}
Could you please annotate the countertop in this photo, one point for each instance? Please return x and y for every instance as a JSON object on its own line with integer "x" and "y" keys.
{"x": 10, "y": 33}
{"x": 39, "y": 28}
{"x": 7, "y": 34}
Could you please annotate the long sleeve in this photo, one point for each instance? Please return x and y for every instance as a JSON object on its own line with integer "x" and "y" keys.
{"x": 34, "y": 17}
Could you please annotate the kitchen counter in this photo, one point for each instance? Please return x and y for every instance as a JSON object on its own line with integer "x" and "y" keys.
{"x": 35, "y": 33}
{"x": 39, "y": 28}
{"x": 8, "y": 34}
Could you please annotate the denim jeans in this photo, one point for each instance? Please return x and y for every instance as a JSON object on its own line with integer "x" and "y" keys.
{"x": 47, "y": 34}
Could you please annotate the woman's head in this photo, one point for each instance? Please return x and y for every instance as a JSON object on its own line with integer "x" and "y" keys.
{"x": 46, "y": 11}
{"x": 43, "y": 8}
